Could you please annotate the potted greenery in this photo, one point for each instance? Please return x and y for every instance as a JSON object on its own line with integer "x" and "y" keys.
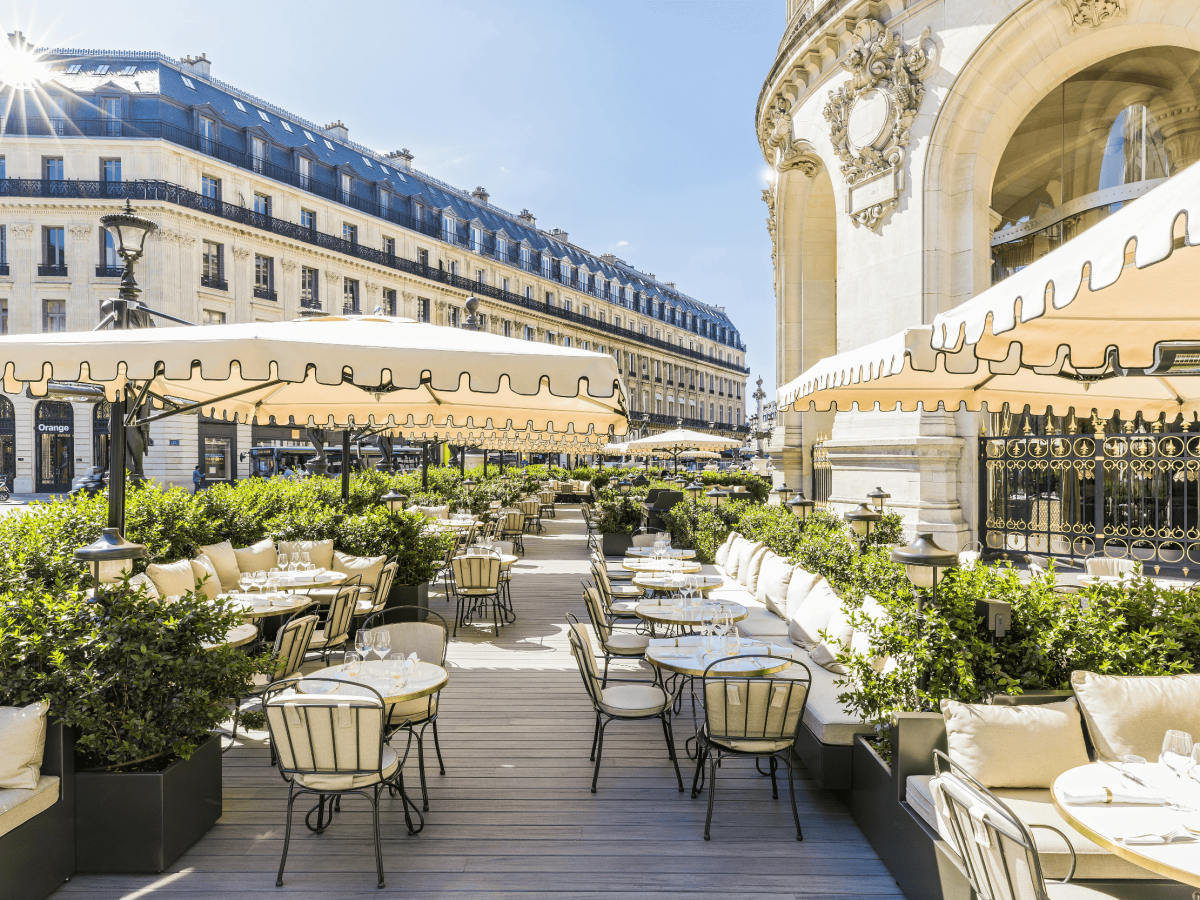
{"x": 405, "y": 535}
{"x": 132, "y": 678}
{"x": 618, "y": 517}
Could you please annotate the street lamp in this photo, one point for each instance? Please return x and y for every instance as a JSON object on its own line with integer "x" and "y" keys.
{"x": 878, "y": 496}
{"x": 923, "y": 562}
{"x": 860, "y": 519}
{"x": 394, "y": 500}
{"x": 469, "y": 484}
{"x": 129, "y": 231}
{"x": 784, "y": 493}
{"x": 624, "y": 485}
{"x": 801, "y": 506}
{"x": 109, "y": 548}
{"x": 715, "y": 496}
{"x": 695, "y": 489}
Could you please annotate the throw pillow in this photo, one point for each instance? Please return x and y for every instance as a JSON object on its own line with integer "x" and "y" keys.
{"x": 1025, "y": 746}
{"x": 745, "y": 555}
{"x": 225, "y": 562}
{"x": 722, "y": 554}
{"x": 838, "y": 635}
{"x": 173, "y": 579}
{"x": 735, "y": 554}
{"x": 1130, "y": 714}
{"x": 207, "y": 581}
{"x": 140, "y": 582}
{"x": 22, "y": 740}
{"x": 813, "y": 616}
{"x": 368, "y": 567}
{"x": 772, "y": 587}
{"x": 756, "y": 563}
{"x": 260, "y": 557}
{"x": 320, "y": 553}
{"x": 801, "y": 584}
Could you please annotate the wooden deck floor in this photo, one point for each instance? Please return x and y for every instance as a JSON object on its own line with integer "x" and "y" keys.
{"x": 513, "y": 817}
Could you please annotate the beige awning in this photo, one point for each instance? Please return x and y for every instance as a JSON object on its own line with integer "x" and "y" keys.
{"x": 682, "y": 439}
{"x": 699, "y": 454}
{"x": 334, "y": 371}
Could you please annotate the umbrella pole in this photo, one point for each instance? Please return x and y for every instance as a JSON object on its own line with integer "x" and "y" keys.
{"x": 116, "y": 464}
{"x": 485, "y": 463}
{"x": 462, "y": 460}
{"x": 345, "y": 466}
{"x": 424, "y": 465}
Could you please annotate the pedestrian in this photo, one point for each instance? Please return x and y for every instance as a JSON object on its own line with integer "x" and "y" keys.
{"x": 197, "y": 477}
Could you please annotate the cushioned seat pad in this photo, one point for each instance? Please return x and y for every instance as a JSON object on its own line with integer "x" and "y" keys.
{"x": 625, "y": 643}
{"x": 19, "y": 805}
{"x": 633, "y": 700}
{"x": 763, "y": 623}
{"x": 336, "y": 782}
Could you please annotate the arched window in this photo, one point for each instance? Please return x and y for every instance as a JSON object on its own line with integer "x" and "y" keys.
{"x": 8, "y": 431}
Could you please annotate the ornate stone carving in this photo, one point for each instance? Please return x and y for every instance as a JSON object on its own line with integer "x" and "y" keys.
{"x": 1093, "y": 13}
{"x": 288, "y": 265}
{"x": 870, "y": 117}
{"x": 22, "y": 230}
{"x": 241, "y": 252}
{"x": 768, "y": 196}
{"x": 371, "y": 286}
{"x": 790, "y": 153}
{"x": 177, "y": 237}
{"x": 80, "y": 231}
{"x": 332, "y": 277}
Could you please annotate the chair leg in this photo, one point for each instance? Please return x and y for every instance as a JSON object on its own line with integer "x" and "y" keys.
{"x": 237, "y": 711}
{"x": 599, "y": 751}
{"x": 604, "y": 681}
{"x": 712, "y": 791}
{"x": 378, "y": 848}
{"x": 438, "y": 749}
{"x": 421, "y": 767}
{"x": 595, "y": 737}
{"x": 792, "y": 791}
{"x": 774, "y": 785}
{"x": 667, "y": 733}
{"x": 698, "y": 776}
{"x": 287, "y": 838}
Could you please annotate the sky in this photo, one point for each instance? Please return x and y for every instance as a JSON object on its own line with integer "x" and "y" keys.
{"x": 630, "y": 125}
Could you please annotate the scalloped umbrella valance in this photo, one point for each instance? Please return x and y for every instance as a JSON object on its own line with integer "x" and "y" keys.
{"x": 336, "y": 371}
{"x": 682, "y": 439}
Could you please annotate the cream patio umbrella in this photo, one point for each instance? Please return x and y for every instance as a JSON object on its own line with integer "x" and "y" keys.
{"x": 699, "y": 454}
{"x": 677, "y": 440}
{"x": 336, "y": 372}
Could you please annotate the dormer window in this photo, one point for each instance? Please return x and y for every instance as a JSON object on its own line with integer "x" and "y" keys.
{"x": 238, "y": 104}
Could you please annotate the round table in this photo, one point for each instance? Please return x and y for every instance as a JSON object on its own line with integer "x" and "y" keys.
{"x": 276, "y": 608}
{"x": 326, "y": 578}
{"x": 376, "y": 673}
{"x": 657, "y": 614}
{"x": 648, "y": 552}
{"x": 1104, "y": 823}
{"x": 659, "y": 583}
{"x": 652, "y": 566}
{"x": 670, "y": 658}
{"x": 238, "y": 636}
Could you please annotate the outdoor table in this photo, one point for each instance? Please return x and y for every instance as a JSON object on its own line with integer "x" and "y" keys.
{"x": 238, "y": 636}
{"x": 377, "y": 673}
{"x": 670, "y": 552}
{"x": 654, "y": 566}
{"x": 281, "y": 604}
{"x": 1106, "y": 823}
{"x": 675, "y": 616}
{"x": 704, "y": 583}
{"x": 683, "y": 656}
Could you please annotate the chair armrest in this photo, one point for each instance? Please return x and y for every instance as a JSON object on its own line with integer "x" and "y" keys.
{"x": 1071, "y": 871}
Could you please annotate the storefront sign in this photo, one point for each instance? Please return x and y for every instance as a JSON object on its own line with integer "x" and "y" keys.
{"x": 55, "y": 429}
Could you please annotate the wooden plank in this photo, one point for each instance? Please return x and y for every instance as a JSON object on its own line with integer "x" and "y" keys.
{"x": 513, "y": 818}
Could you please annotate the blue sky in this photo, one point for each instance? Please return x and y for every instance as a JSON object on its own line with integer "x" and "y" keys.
{"x": 630, "y": 125}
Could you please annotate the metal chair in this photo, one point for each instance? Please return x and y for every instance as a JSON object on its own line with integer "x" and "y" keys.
{"x": 620, "y": 600}
{"x": 997, "y": 851}
{"x": 476, "y": 585}
{"x": 1097, "y": 566}
{"x": 546, "y": 502}
{"x": 335, "y": 626}
{"x": 423, "y": 632}
{"x": 749, "y": 716}
{"x": 533, "y": 515}
{"x": 512, "y": 528}
{"x": 618, "y": 575}
{"x": 646, "y": 537}
{"x": 614, "y": 644}
{"x": 291, "y": 646}
{"x": 372, "y": 598}
{"x": 331, "y": 745}
{"x": 630, "y": 701}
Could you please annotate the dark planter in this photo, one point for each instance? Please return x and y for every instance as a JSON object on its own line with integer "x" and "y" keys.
{"x": 409, "y": 595}
{"x": 616, "y": 544}
{"x": 39, "y": 854}
{"x": 144, "y": 821}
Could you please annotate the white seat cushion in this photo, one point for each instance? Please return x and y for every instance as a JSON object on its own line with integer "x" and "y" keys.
{"x": 772, "y": 586}
{"x": 334, "y": 782}
{"x": 142, "y": 582}
{"x": 19, "y": 805}
{"x": 746, "y": 553}
{"x": 627, "y": 644}
{"x": 824, "y": 714}
{"x": 1129, "y": 714}
{"x": 413, "y": 711}
{"x": 763, "y": 623}
{"x": 799, "y": 587}
{"x": 225, "y": 563}
{"x": 838, "y": 635}
{"x": 722, "y": 555}
{"x": 749, "y": 575}
{"x": 633, "y": 700}
{"x": 319, "y": 640}
{"x": 368, "y": 567}
{"x": 813, "y": 615}
{"x": 730, "y": 566}
{"x": 771, "y": 746}
{"x": 207, "y": 581}
{"x": 22, "y": 741}
{"x": 173, "y": 579}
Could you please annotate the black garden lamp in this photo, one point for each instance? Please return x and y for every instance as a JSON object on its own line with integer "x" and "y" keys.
{"x": 695, "y": 489}
{"x": 785, "y": 494}
{"x": 924, "y": 562}
{"x": 109, "y": 548}
{"x": 801, "y": 506}
{"x": 715, "y": 496}
{"x": 861, "y": 519}
{"x": 394, "y": 500}
{"x": 469, "y": 484}
{"x": 878, "y": 497}
{"x": 624, "y": 485}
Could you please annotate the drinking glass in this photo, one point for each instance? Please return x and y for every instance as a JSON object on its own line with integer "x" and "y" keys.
{"x": 352, "y": 663}
{"x": 1177, "y": 752}
{"x": 708, "y": 615}
{"x": 244, "y": 581}
{"x": 295, "y": 560}
{"x": 260, "y": 579}
{"x": 362, "y": 641}
{"x": 282, "y": 560}
{"x": 306, "y": 560}
{"x": 383, "y": 642}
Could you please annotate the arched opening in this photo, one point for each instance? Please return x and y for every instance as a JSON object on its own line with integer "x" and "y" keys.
{"x": 8, "y": 441}
{"x": 54, "y": 424}
{"x": 1100, "y": 139}
{"x": 101, "y": 414}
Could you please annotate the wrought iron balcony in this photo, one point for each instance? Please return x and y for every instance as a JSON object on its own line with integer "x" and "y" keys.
{"x": 109, "y": 271}
{"x": 55, "y": 271}
{"x": 261, "y": 293}
{"x": 309, "y": 303}
{"x": 217, "y": 284}
{"x": 3, "y": 268}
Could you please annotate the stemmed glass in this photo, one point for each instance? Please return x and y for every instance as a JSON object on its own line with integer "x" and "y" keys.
{"x": 295, "y": 560}
{"x": 383, "y": 642}
{"x": 1177, "y": 752}
{"x": 245, "y": 580}
{"x": 708, "y": 616}
{"x": 362, "y": 641}
{"x": 260, "y": 579}
{"x": 352, "y": 663}
{"x": 283, "y": 562}
{"x": 306, "y": 560}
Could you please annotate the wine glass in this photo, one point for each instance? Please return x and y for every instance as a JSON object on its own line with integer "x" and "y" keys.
{"x": 295, "y": 560}
{"x": 362, "y": 641}
{"x": 352, "y": 663}
{"x": 245, "y": 580}
{"x": 306, "y": 560}
{"x": 260, "y": 579}
{"x": 283, "y": 561}
{"x": 708, "y": 614}
{"x": 383, "y": 642}
{"x": 1177, "y": 752}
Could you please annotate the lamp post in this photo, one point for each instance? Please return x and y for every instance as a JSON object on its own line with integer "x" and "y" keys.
{"x": 695, "y": 489}
{"x": 469, "y": 484}
{"x": 785, "y": 494}
{"x": 860, "y": 519}
{"x": 877, "y": 497}
{"x": 715, "y": 496}
{"x": 924, "y": 561}
{"x": 801, "y": 506}
{"x": 394, "y": 500}
{"x": 624, "y": 485}
{"x": 110, "y": 547}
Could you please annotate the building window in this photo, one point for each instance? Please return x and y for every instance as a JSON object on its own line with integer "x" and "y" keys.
{"x": 264, "y": 277}
{"x": 350, "y": 295}
{"x": 389, "y": 246}
{"x": 54, "y": 251}
{"x": 480, "y": 278}
{"x": 423, "y": 305}
{"x": 423, "y": 257}
{"x": 212, "y": 317}
{"x": 258, "y": 153}
{"x": 210, "y": 187}
{"x": 530, "y": 334}
{"x": 528, "y": 292}
{"x": 305, "y": 172}
{"x": 476, "y": 239}
{"x": 389, "y": 301}
{"x": 212, "y": 266}
{"x": 54, "y": 316}
{"x": 309, "y": 288}
{"x": 504, "y": 285}
{"x": 208, "y": 135}
{"x": 110, "y": 171}
{"x": 52, "y": 168}
{"x": 347, "y": 188}
{"x": 262, "y": 204}
{"x": 551, "y": 338}
{"x": 449, "y": 229}
{"x": 549, "y": 298}
{"x": 349, "y": 232}
{"x": 385, "y": 203}
{"x": 452, "y": 316}
{"x": 308, "y": 219}
{"x": 3, "y": 164}
{"x": 3, "y": 249}
{"x": 110, "y": 264}
{"x": 506, "y": 328}
{"x": 454, "y": 268}
{"x": 566, "y": 341}
{"x": 481, "y": 321}
{"x": 3, "y": 317}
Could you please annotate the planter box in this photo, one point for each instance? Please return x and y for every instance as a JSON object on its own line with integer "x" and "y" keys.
{"x": 409, "y": 595}
{"x": 144, "y": 821}
{"x": 39, "y": 854}
{"x": 616, "y": 544}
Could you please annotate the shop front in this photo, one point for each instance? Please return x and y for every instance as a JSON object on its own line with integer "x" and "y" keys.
{"x": 54, "y": 427}
{"x": 218, "y": 451}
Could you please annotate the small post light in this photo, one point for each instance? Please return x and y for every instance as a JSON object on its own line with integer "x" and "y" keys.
{"x": 394, "y": 500}
{"x": 785, "y": 494}
{"x": 715, "y": 496}
{"x": 924, "y": 561}
{"x": 624, "y": 485}
{"x": 469, "y": 484}
{"x": 110, "y": 547}
{"x": 860, "y": 519}
{"x": 877, "y": 497}
{"x": 695, "y": 489}
{"x": 801, "y": 506}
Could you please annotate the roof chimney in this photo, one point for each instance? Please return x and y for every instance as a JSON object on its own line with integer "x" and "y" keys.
{"x": 669, "y": 284}
{"x": 559, "y": 235}
{"x": 197, "y": 65}
{"x": 338, "y": 130}
{"x": 480, "y": 194}
{"x": 610, "y": 258}
{"x": 527, "y": 217}
{"x": 402, "y": 159}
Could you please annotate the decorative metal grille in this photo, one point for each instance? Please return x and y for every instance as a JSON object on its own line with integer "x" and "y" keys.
{"x": 822, "y": 472}
{"x": 1042, "y": 495}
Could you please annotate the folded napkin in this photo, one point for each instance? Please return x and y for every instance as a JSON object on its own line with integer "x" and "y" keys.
{"x": 674, "y": 652}
{"x": 765, "y": 649}
{"x": 687, "y": 640}
{"x": 1178, "y": 836}
{"x": 1113, "y": 795}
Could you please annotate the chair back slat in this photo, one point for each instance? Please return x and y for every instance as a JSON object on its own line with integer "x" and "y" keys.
{"x": 475, "y": 572}
{"x": 597, "y": 613}
{"x": 384, "y": 586}
{"x": 341, "y": 613}
{"x": 291, "y": 644}
{"x": 426, "y": 639}
{"x": 333, "y": 735}
{"x": 754, "y": 709}
{"x": 581, "y": 649}
{"x": 513, "y": 522}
